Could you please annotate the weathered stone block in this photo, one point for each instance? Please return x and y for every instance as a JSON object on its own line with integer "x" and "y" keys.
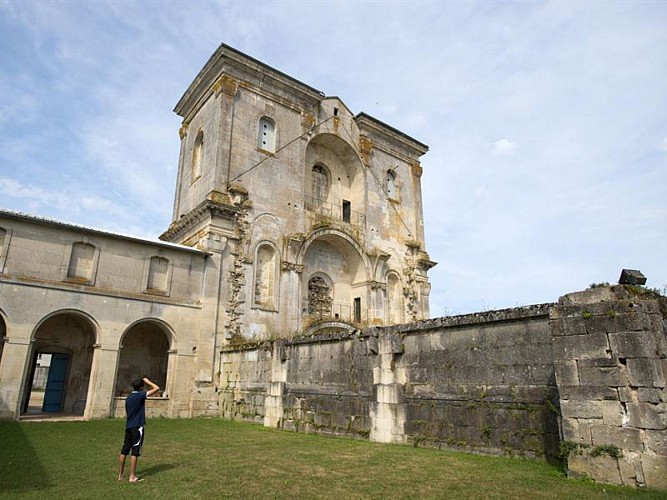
{"x": 602, "y": 372}
{"x": 644, "y": 372}
{"x": 630, "y": 467}
{"x": 642, "y": 395}
{"x": 634, "y": 344}
{"x": 624, "y": 438}
{"x": 586, "y": 393}
{"x": 580, "y": 347}
{"x": 647, "y": 415}
{"x": 612, "y": 413}
{"x": 655, "y": 467}
{"x": 602, "y": 468}
{"x": 581, "y": 409}
{"x": 576, "y": 431}
{"x": 567, "y": 372}
{"x": 656, "y": 442}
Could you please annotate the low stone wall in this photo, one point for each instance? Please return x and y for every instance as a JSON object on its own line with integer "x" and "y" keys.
{"x": 481, "y": 382}
{"x": 585, "y": 376}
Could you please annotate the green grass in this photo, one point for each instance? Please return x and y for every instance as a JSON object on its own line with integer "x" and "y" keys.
{"x": 210, "y": 458}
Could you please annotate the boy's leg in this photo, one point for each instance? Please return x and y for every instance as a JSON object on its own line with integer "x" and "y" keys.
{"x": 121, "y": 466}
{"x": 133, "y": 469}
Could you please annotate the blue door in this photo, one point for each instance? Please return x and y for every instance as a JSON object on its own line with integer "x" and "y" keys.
{"x": 55, "y": 384}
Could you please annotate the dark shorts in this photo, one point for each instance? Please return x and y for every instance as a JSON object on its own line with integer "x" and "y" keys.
{"x": 134, "y": 440}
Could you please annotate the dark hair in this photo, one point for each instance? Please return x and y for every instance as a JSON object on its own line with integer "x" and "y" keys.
{"x": 137, "y": 384}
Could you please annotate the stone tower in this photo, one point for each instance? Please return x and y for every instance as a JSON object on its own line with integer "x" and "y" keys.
{"x": 313, "y": 214}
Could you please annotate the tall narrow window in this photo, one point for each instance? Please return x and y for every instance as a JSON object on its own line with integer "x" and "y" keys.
{"x": 267, "y": 135}
{"x": 3, "y": 234}
{"x": 81, "y": 262}
{"x": 347, "y": 211}
{"x": 320, "y": 184}
{"x": 158, "y": 274}
{"x": 357, "y": 309}
{"x": 265, "y": 276}
{"x": 391, "y": 184}
{"x": 197, "y": 156}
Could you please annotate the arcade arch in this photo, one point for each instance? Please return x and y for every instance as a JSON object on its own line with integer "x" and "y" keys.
{"x": 144, "y": 352}
{"x": 61, "y": 362}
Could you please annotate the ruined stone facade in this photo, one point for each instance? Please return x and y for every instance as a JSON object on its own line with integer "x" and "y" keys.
{"x": 315, "y": 212}
{"x": 291, "y": 216}
{"x": 291, "y": 290}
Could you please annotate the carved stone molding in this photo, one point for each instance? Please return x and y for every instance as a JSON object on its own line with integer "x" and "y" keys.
{"x": 365, "y": 148}
{"x": 417, "y": 169}
{"x": 226, "y": 85}
{"x": 290, "y": 266}
{"x": 377, "y": 285}
{"x": 194, "y": 216}
{"x": 307, "y": 120}
{"x": 183, "y": 131}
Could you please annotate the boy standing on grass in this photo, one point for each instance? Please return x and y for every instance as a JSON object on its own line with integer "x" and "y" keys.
{"x": 135, "y": 408}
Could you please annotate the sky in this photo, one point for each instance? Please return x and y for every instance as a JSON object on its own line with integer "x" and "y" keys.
{"x": 546, "y": 122}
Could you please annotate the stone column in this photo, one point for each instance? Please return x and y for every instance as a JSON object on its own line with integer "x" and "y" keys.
{"x": 101, "y": 388}
{"x": 388, "y": 412}
{"x": 13, "y": 371}
{"x": 610, "y": 355}
{"x": 273, "y": 403}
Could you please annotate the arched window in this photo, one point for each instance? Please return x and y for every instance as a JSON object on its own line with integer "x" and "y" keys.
{"x": 266, "y": 137}
{"x": 394, "y": 304}
{"x": 265, "y": 276}
{"x": 81, "y": 262}
{"x": 391, "y": 184}
{"x": 197, "y": 153}
{"x": 158, "y": 275}
{"x": 319, "y": 184}
{"x": 319, "y": 297}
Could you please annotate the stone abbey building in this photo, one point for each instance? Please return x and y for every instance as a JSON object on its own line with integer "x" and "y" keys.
{"x": 291, "y": 290}
{"x": 292, "y": 216}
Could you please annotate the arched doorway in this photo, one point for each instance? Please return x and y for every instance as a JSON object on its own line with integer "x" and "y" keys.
{"x": 144, "y": 353}
{"x": 61, "y": 361}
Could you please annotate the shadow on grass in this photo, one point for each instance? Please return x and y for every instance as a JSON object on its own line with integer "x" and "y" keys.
{"x": 155, "y": 469}
{"x": 20, "y": 466}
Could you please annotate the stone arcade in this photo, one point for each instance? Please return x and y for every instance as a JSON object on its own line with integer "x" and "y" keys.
{"x": 291, "y": 290}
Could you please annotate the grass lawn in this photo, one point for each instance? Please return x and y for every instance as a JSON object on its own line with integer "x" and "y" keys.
{"x": 210, "y": 458}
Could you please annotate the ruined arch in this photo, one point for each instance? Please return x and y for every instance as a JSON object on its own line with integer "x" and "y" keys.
{"x": 144, "y": 352}
{"x": 60, "y": 363}
{"x": 345, "y": 191}
{"x": 337, "y": 256}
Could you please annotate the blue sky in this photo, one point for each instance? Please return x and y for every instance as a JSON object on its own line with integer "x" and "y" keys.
{"x": 546, "y": 121}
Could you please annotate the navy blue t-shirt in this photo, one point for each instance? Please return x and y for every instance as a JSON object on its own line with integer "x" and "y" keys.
{"x": 135, "y": 408}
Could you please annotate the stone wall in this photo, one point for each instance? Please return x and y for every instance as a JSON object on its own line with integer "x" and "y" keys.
{"x": 610, "y": 355}
{"x": 481, "y": 382}
{"x": 583, "y": 377}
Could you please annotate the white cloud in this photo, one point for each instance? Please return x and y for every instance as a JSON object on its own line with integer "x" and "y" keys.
{"x": 663, "y": 144}
{"x": 504, "y": 147}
